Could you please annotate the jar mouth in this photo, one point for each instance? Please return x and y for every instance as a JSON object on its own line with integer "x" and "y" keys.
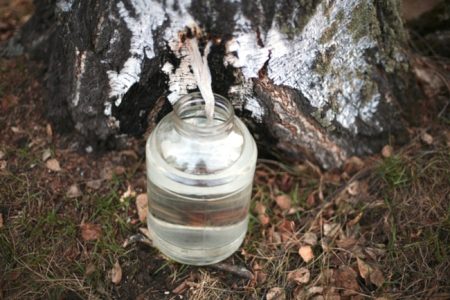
{"x": 190, "y": 115}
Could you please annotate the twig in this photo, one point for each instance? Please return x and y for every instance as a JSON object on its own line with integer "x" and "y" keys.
{"x": 236, "y": 270}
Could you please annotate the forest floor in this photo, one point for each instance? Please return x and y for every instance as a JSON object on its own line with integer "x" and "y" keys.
{"x": 70, "y": 225}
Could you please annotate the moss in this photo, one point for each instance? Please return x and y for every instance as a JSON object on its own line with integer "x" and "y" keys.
{"x": 363, "y": 21}
{"x": 328, "y": 33}
{"x": 292, "y": 16}
{"x": 391, "y": 21}
{"x": 327, "y": 5}
{"x": 323, "y": 60}
{"x": 368, "y": 90}
{"x": 334, "y": 106}
{"x": 332, "y": 29}
{"x": 321, "y": 118}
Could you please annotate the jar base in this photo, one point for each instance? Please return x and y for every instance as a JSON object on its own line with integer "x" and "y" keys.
{"x": 198, "y": 257}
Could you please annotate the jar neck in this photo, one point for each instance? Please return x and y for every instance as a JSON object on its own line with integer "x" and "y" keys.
{"x": 190, "y": 116}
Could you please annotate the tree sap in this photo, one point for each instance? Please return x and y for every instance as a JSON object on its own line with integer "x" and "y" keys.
{"x": 200, "y": 166}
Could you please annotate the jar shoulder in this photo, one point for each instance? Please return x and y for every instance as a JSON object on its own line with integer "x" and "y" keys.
{"x": 199, "y": 154}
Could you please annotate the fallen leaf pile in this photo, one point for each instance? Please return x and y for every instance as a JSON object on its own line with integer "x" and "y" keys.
{"x": 311, "y": 234}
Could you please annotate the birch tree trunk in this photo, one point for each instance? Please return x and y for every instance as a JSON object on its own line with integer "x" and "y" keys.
{"x": 318, "y": 79}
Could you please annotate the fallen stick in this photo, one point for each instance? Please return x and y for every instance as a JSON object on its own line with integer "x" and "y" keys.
{"x": 236, "y": 270}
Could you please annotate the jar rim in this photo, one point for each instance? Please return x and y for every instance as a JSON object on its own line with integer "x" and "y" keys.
{"x": 222, "y": 106}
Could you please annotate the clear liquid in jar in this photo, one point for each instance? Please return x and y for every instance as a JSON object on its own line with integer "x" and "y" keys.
{"x": 198, "y": 230}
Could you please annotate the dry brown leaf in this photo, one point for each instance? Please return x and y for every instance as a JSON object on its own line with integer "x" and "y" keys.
{"x": 73, "y": 191}
{"x": 355, "y": 220}
{"x": 14, "y": 275}
{"x": 1, "y": 220}
{"x": 286, "y": 238}
{"x": 90, "y": 268}
{"x": 314, "y": 290}
{"x": 49, "y": 130}
{"x": 387, "y": 151}
{"x": 260, "y": 208}
{"x": 356, "y": 161}
{"x": 325, "y": 244}
{"x": 46, "y": 154}
{"x": 328, "y": 276}
{"x": 119, "y": 170}
{"x": 426, "y": 138}
{"x": 90, "y": 232}
{"x": 106, "y": 173}
{"x": 71, "y": 253}
{"x": 276, "y": 293}
{"x": 283, "y": 201}
{"x": 53, "y": 165}
{"x": 346, "y": 243}
{"x": 376, "y": 253}
{"x": 333, "y": 178}
{"x": 3, "y": 164}
{"x": 364, "y": 269}
{"x": 306, "y": 253}
{"x": 275, "y": 237}
{"x": 142, "y": 206}
{"x": 94, "y": 184}
{"x": 256, "y": 267}
{"x": 300, "y": 276}
{"x": 180, "y": 288}
{"x": 311, "y": 200}
{"x": 345, "y": 277}
{"x": 300, "y": 293}
{"x": 333, "y": 295}
{"x": 287, "y": 226}
{"x": 330, "y": 229}
{"x": 353, "y": 165}
{"x": 294, "y": 210}
{"x": 116, "y": 273}
{"x": 264, "y": 219}
{"x": 285, "y": 183}
{"x": 370, "y": 273}
{"x": 310, "y": 238}
{"x": 376, "y": 277}
{"x": 261, "y": 277}
{"x": 353, "y": 188}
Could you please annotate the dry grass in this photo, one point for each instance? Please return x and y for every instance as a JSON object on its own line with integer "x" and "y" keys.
{"x": 391, "y": 213}
{"x": 416, "y": 190}
{"x": 43, "y": 255}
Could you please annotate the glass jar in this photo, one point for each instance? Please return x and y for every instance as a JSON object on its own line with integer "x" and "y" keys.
{"x": 200, "y": 176}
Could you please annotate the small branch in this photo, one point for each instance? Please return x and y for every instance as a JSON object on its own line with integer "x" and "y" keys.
{"x": 236, "y": 270}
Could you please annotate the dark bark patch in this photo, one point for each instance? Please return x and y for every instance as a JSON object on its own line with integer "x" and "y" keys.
{"x": 132, "y": 113}
{"x": 217, "y": 17}
{"x": 222, "y": 77}
{"x": 293, "y": 15}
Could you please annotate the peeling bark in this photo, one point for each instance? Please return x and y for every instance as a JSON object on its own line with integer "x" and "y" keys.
{"x": 322, "y": 80}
